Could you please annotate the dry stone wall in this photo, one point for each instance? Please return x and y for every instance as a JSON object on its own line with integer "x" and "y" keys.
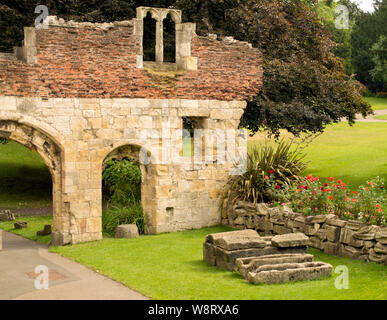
{"x": 328, "y": 233}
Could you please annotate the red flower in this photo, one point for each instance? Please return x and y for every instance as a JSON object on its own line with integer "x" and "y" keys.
{"x": 267, "y": 178}
{"x": 278, "y": 186}
{"x": 331, "y": 179}
{"x": 353, "y": 200}
{"x": 378, "y": 206}
{"x": 326, "y": 184}
{"x": 322, "y": 189}
{"x": 328, "y": 190}
{"x": 271, "y": 171}
{"x": 339, "y": 181}
{"x": 330, "y": 197}
{"x": 382, "y": 187}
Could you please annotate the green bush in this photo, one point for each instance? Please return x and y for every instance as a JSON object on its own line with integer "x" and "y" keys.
{"x": 271, "y": 169}
{"x": 117, "y": 215}
{"x": 122, "y": 181}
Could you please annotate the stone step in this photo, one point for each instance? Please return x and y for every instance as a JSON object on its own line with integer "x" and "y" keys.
{"x": 289, "y": 272}
{"x": 246, "y": 265}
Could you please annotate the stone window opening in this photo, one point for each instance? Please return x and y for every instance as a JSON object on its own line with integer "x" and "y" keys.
{"x": 149, "y": 38}
{"x": 190, "y": 124}
{"x": 171, "y": 40}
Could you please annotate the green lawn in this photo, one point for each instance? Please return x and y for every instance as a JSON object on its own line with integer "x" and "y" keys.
{"x": 34, "y": 224}
{"x": 354, "y": 154}
{"x": 25, "y": 181}
{"x": 377, "y": 103}
{"x": 170, "y": 266}
{"x": 381, "y": 117}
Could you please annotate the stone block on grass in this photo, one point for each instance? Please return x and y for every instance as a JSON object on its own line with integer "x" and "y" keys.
{"x": 127, "y": 231}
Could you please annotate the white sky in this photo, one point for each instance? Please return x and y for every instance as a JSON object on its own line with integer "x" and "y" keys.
{"x": 365, "y": 5}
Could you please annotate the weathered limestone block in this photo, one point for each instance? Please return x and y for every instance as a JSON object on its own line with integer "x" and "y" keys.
{"x": 290, "y": 240}
{"x": 244, "y": 239}
{"x": 347, "y": 238}
{"x": 369, "y": 244}
{"x": 6, "y": 215}
{"x": 225, "y": 259}
{"x": 376, "y": 257}
{"x": 246, "y": 265}
{"x": 380, "y": 248}
{"x": 222, "y": 249}
{"x": 366, "y": 233}
{"x": 287, "y": 272}
{"x": 333, "y": 233}
{"x": 354, "y": 225}
{"x": 127, "y": 231}
{"x": 381, "y": 236}
{"x": 262, "y": 209}
{"x": 20, "y": 225}
{"x": 311, "y": 230}
{"x": 321, "y": 234}
{"x": 331, "y": 248}
{"x": 336, "y": 222}
{"x": 321, "y": 218}
{"x": 280, "y": 229}
{"x": 350, "y": 252}
{"x": 316, "y": 242}
{"x": 299, "y": 222}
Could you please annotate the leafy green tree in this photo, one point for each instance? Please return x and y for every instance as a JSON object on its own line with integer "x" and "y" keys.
{"x": 368, "y": 29}
{"x": 379, "y": 51}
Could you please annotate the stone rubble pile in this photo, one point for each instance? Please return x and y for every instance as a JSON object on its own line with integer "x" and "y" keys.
{"x": 352, "y": 239}
{"x": 258, "y": 259}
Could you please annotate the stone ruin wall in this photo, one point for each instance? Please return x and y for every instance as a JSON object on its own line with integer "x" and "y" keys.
{"x": 75, "y": 92}
{"x": 334, "y": 236}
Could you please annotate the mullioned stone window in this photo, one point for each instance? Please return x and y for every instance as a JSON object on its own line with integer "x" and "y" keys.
{"x": 183, "y": 37}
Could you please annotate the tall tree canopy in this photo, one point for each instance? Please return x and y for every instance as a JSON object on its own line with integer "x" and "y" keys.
{"x": 367, "y": 31}
{"x": 305, "y": 84}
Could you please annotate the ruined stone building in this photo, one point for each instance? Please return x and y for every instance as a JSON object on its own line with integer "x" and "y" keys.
{"x": 81, "y": 93}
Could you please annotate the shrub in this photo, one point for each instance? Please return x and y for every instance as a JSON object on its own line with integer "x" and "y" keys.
{"x": 117, "y": 215}
{"x": 271, "y": 170}
{"x": 122, "y": 179}
{"x": 314, "y": 196}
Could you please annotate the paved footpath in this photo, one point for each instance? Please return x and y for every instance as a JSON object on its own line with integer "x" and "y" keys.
{"x": 67, "y": 280}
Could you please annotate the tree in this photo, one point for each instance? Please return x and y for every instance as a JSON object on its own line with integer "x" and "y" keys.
{"x": 379, "y": 52}
{"x": 305, "y": 86}
{"x": 368, "y": 29}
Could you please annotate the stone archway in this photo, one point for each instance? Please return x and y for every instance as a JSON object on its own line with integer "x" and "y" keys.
{"x": 35, "y": 139}
{"x": 136, "y": 153}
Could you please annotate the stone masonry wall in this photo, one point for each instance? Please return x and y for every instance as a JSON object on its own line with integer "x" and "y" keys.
{"x": 76, "y": 92}
{"x": 351, "y": 239}
{"x": 100, "y": 61}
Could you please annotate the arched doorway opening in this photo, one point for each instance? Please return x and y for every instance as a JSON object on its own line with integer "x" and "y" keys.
{"x": 48, "y": 160}
{"x": 126, "y": 183}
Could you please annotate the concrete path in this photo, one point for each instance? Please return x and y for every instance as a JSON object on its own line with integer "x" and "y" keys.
{"x": 67, "y": 280}
{"x": 371, "y": 118}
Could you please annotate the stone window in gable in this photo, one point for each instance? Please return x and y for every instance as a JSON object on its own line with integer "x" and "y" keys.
{"x": 165, "y": 42}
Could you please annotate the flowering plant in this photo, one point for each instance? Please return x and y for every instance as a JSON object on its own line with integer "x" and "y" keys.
{"x": 323, "y": 196}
